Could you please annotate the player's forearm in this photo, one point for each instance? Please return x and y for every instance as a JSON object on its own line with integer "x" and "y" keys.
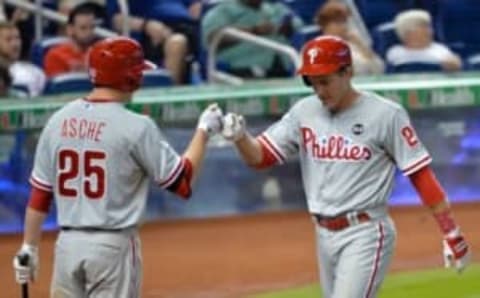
{"x": 195, "y": 151}
{"x": 33, "y": 226}
{"x": 249, "y": 149}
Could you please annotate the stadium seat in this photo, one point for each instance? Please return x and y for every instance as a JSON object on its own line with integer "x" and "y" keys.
{"x": 40, "y": 48}
{"x": 415, "y": 67}
{"x": 306, "y": 9}
{"x": 455, "y": 21}
{"x": 384, "y": 36}
{"x": 157, "y": 78}
{"x": 70, "y": 82}
{"x": 378, "y": 12}
{"x": 473, "y": 62}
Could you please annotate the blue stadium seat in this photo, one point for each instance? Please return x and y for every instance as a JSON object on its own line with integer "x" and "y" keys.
{"x": 40, "y": 48}
{"x": 455, "y": 21}
{"x": 80, "y": 82}
{"x": 69, "y": 82}
{"x": 306, "y": 9}
{"x": 415, "y": 67}
{"x": 157, "y": 78}
{"x": 473, "y": 62}
{"x": 21, "y": 91}
{"x": 378, "y": 12}
{"x": 384, "y": 36}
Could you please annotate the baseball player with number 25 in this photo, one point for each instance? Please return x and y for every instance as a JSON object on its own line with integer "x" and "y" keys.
{"x": 95, "y": 157}
{"x": 349, "y": 143}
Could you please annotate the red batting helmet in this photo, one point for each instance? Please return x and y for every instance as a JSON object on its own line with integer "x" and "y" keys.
{"x": 117, "y": 63}
{"x": 324, "y": 55}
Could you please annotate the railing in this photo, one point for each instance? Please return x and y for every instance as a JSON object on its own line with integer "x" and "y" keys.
{"x": 42, "y": 12}
{"x": 214, "y": 75}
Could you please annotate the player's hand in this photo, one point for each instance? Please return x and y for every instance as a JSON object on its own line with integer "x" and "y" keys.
{"x": 234, "y": 127}
{"x": 211, "y": 120}
{"x": 26, "y": 272}
{"x": 456, "y": 252}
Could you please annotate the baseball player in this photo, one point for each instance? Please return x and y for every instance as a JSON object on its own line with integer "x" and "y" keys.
{"x": 95, "y": 157}
{"x": 349, "y": 143}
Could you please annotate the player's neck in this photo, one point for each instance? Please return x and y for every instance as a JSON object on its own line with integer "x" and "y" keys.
{"x": 108, "y": 94}
{"x": 347, "y": 101}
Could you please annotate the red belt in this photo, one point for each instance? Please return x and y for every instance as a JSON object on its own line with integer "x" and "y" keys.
{"x": 340, "y": 222}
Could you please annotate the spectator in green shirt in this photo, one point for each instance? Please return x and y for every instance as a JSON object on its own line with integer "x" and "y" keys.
{"x": 272, "y": 20}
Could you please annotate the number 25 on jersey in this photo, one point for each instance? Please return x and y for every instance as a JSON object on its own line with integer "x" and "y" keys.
{"x": 87, "y": 167}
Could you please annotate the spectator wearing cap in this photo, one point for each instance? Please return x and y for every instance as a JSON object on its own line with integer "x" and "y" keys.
{"x": 414, "y": 29}
{"x": 333, "y": 19}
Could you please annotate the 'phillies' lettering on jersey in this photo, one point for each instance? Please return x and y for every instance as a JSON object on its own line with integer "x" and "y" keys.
{"x": 347, "y": 159}
{"x": 335, "y": 147}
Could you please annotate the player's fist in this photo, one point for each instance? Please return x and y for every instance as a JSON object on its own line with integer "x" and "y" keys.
{"x": 210, "y": 120}
{"x": 25, "y": 264}
{"x": 456, "y": 252}
{"x": 234, "y": 127}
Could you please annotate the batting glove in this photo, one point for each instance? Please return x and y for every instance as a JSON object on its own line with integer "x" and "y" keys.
{"x": 234, "y": 127}
{"x": 456, "y": 252}
{"x": 210, "y": 120}
{"x": 25, "y": 264}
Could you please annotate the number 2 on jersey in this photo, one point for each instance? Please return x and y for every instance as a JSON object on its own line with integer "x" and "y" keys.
{"x": 93, "y": 173}
{"x": 409, "y": 135}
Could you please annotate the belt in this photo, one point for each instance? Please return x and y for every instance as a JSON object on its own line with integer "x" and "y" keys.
{"x": 337, "y": 223}
{"x": 91, "y": 229}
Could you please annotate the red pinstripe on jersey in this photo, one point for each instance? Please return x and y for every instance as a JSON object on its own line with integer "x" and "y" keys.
{"x": 38, "y": 183}
{"x": 378, "y": 253}
{"x": 267, "y": 142}
{"x": 173, "y": 175}
{"x": 410, "y": 169}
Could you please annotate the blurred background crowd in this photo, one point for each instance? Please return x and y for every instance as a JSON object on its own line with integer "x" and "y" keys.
{"x": 41, "y": 56}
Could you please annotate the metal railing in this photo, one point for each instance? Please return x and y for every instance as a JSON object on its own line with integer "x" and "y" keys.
{"x": 215, "y": 75}
{"x": 42, "y": 12}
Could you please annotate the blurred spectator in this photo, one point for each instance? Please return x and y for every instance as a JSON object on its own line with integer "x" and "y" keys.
{"x": 272, "y": 20}
{"x": 3, "y": 18}
{"x": 333, "y": 19}
{"x": 65, "y": 7}
{"x": 5, "y": 81}
{"x": 23, "y": 73}
{"x": 25, "y": 24}
{"x": 71, "y": 56}
{"x": 414, "y": 29}
{"x": 161, "y": 42}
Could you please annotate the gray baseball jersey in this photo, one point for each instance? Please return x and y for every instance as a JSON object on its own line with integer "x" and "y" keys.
{"x": 96, "y": 157}
{"x": 348, "y": 162}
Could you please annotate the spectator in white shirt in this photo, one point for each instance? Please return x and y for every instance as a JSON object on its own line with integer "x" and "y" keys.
{"x": 23, "y": 73}
{"x": 414, "y": 29}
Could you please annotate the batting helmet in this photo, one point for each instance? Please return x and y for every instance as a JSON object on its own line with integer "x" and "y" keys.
{"x": 324, "y": 55}
{"x": 117, "y": 63}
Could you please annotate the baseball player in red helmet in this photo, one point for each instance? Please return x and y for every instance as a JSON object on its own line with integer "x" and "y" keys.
{"x": 95, "y": 157}
{"x": 349, "y": 143}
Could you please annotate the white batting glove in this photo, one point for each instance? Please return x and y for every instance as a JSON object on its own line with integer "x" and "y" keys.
{"x": 27, "y": 270}
{"x": 211, "y": 120}
{"x": 456, "y": 252}
{"x": 234, "y": 127}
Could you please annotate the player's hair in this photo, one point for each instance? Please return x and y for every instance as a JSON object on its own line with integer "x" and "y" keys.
{"x": 87, "y": 8}
{"x": 332, "y": 12}
{"x": 409, "y": 20}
